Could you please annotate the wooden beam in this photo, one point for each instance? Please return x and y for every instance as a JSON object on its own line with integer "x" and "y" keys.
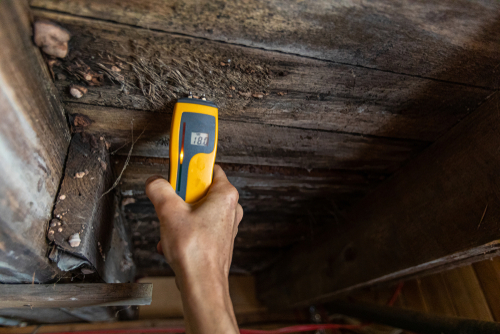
{"x": 448, "y": 40}
{"x": 296, "y": 92}
{"x": 34, "y": 138}
{"x": 438, "y": 211}
{"x": 86, "y": 211}
{"x": 285, "y": 204}
{"x": 252, "y": 143}
{"x": 74, "y": 295}
{"x": 81, "y": 211}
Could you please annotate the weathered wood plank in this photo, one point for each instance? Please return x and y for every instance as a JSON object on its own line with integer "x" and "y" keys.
{"x": 465, "y": 290}
{"x": 488, "y": 273}
{"x": 248, "y": 143}
{"x": 74, "y": 295}
{"x": 81, "y": 212}
{"x": 448, "y": 40}
{"x": 34, "y": 137}
{"x": 283, "y": 204}
{"x": 155, "y": 68}
{"x": 266, "y": 188}
{"x": 87, "y": 213}
{"x": 430, "y": 214}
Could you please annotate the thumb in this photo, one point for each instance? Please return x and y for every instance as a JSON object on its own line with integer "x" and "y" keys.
{"x": 160, "y": 192}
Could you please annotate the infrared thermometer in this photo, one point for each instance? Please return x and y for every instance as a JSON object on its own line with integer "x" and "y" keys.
{"x": 193, "y": 145}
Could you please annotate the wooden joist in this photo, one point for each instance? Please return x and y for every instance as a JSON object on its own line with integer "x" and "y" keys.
{"x": 438, "y": 211}
{"x": 83, "y": 215}
{"x": 87, "y": 229}
{"x": 34, "y": 138}
{"x": 449, "y": 40}
{"x": 156, "y": 67}
{"x": 251, "y": 143}
{"x": 283, "y": 204}
{"x": 74, "y": 295}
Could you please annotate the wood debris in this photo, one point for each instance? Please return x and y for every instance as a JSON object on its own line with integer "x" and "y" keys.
{"x": 51, "y": 38}
{"x": 245, "y": 94}
{"x": 80, "y": 122}
{"x": 83, "y": 72}
{"x": 77, "y": 91}
{"x": 258, "y": 95}
{"x": 74, "y": 240}
{"x": 104, "y": 165}
{"x": 128, "y": 200}
{"x": 80, "y": 175}
{"x": 281, "y": 93}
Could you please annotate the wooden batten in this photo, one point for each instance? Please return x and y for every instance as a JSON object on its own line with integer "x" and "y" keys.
{"x": 75, "y": 295}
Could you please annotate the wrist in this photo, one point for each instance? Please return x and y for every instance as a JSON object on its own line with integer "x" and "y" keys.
{"x": 205, "y": 297}
{"x": 201, "y": 280}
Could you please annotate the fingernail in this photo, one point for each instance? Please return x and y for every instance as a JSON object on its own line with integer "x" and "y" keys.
{"x": 153, "y": 178}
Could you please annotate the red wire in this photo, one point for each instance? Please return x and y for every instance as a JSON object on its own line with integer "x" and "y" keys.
{"x": 291, "y": 329}
{"x": 299, "y": 328}
{"x": 396, "y": 294}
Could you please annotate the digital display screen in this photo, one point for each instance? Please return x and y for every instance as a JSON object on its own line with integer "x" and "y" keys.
{"x": 199, "y": 138}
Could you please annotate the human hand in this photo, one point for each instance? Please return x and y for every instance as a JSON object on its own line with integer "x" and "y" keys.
{"x": 197, "y": 241}
{"x": 200, "y": 234}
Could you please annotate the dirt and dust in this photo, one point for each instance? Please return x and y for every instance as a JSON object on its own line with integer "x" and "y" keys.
{"x": 164, "y": 69}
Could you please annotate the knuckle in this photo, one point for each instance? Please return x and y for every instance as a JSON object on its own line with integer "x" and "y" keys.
{"x": 231, "y": 194}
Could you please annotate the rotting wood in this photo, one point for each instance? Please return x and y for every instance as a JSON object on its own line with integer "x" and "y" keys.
{"x": 289, "y": 188}
{"x": 285, "y": 205}
{"x": 257, "y": 144}
{"x": 448, "y": 40}
{"x": 80, "y": 211}
{"x": 74, "y": 295}
{"x": 423, "y": 218}
{"x": 155, "y": 68}
{"x": 34, "y": 137}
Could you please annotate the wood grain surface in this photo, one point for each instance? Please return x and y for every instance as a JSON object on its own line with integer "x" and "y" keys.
{"x": 449, "y": 40}
{"x": 251, "y": 143}
{"x": 74, "y": 295}
{"x": 34, "y": 137}
{"x": 81, "y": 207}
{"x": 433, "y": 209}
{"x": 296, "y": 91}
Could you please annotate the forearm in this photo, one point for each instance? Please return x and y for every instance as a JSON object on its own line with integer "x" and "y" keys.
{"x": 207, "y": 304}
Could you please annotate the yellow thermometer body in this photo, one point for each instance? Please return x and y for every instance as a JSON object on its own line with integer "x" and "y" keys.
{"x": 193, "y": 146}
